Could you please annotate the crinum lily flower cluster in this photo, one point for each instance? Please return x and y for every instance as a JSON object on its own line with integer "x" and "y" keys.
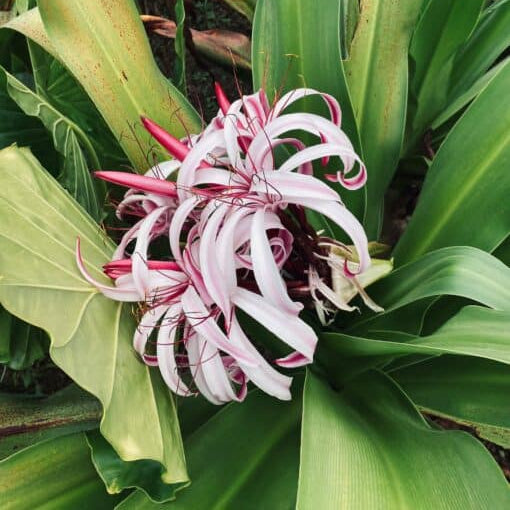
{"x": 236, "y": 238}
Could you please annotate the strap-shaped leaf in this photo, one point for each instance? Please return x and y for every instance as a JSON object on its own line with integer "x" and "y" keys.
{"x": 377, "y": 75}
{"x": 459, "y": 102}
{"x": 474, "y": 331}
{"x": 456, "y": 271}
{"x": 443, "y": 28}
{"x": 368, "y": 447}
{"x": 116, "y": 68}
{"x": 489, "y": 40}
{"x": 91, "y": 335}
{"x": 246, "y": 456}
{"x": 465, "y": 197}
{"x": 26, "y": 420}
{"x": 468, "y": 390}
{"x": 53, "y": 474}
{"x": 180, "y": 47}
{"x": 287, "y": 54}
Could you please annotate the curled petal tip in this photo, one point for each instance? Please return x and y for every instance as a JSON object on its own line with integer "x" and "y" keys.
{"x": 173, "y": 145}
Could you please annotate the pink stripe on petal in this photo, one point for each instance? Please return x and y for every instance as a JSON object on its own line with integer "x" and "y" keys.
{"x": 200, "y": 320}
{"x": 117, "y": 268}
{"x": 117, "y": 293}
{"x": 289, "y": 328}
{"x": 212, "y": 274}
{"x": 293, "y": 360}
{"x": 267, "y": 273}
{"x": 284, "y": 184}
{"x": 206, "y": 360}
{"x": 139, "y": 258}
{"x": 166, "y": 351}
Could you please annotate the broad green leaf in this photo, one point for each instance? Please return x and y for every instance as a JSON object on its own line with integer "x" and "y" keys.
{"x": 180, "y": 46}
{"x": 464, "y": 200}
{"x": 28, "y": 420}
{"x": 54, "y": 474}
{"x": 91, "y": 336}
{"x": 377, "y": 75}
{"x": 474, "y": 331}
{"x": 116, "y": 68}
{"x": 470, "y": 391}
{"x": 287, "y": 54}
{"x": 245, "y": 7}
{"x": 68, "y": 139}
{"x": 489, "y": 40}
{"x": 146, "y": 474}
{"x": 456, "y": 271}
{"x": 368, "y": 447}
{"x": 443, "y": 28}
{"x": 246, "y": 456}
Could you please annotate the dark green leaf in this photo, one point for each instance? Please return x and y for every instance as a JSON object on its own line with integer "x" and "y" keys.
{"x": 16, "y": 127}
{"x": 27, "y": 345}
{"x": 489, "y": 40}
{"x": 349, "y": 18}
{"x": 180, "y": 47}
{"x": 145, "y": 475}
{"x": 474, "y": 331}
{"x": 443, "y": 28}
{"x": 246, "y": 456}
{"x": 465, "y": 197}
{"x": 468, "y": 390}
{"x": 455, "y": 271}
{"x": 68, "y": 139}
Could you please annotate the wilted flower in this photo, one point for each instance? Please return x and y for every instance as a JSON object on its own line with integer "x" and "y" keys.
{"x": 234, "y": 220}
